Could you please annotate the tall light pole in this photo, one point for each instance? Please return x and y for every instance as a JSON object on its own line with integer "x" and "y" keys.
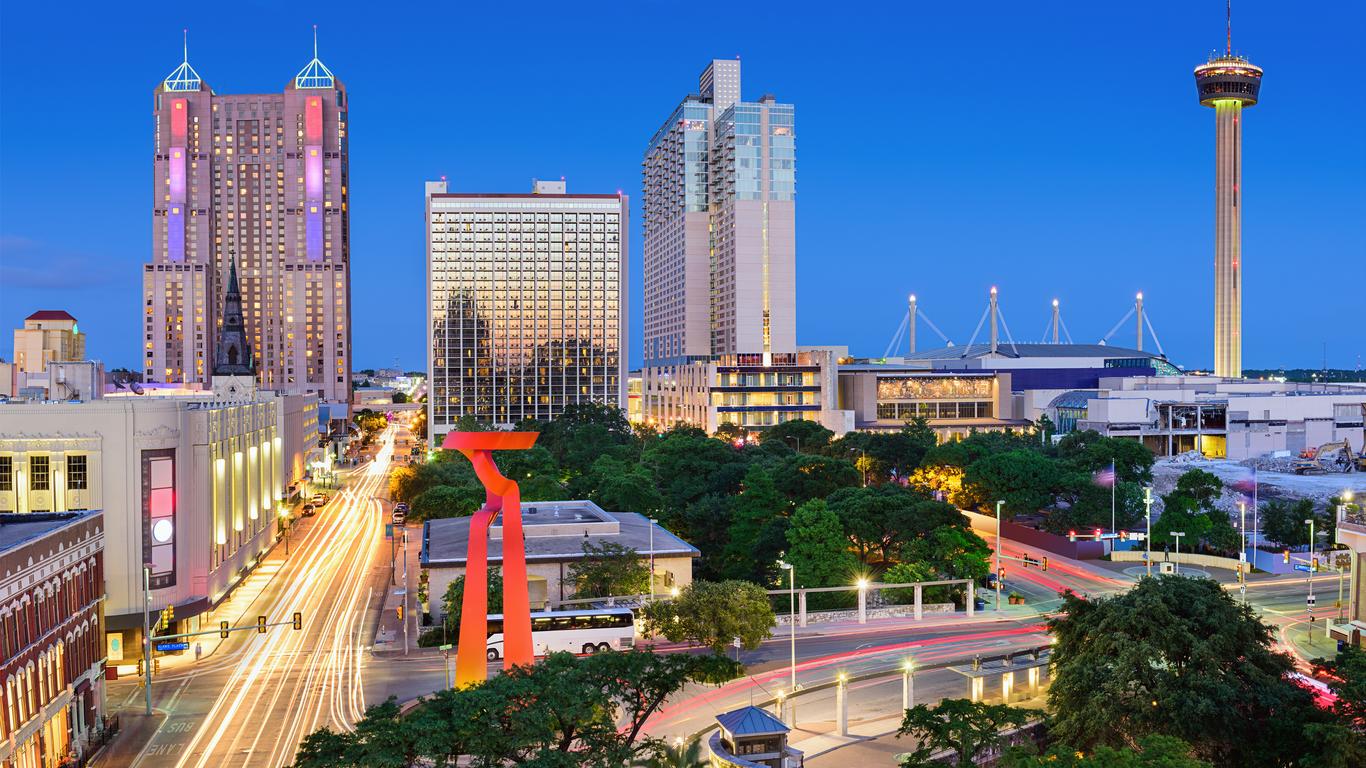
{"x": 653, "y": 521}
{"x": 999, "y": 504}
{"x": 907, "y": 684}
{"x": 1148, "y": 536}
{"x": 792, "y": 619}
{"x": 147, "y": 633}
{"x": 1242, "y": 550}
{"x": 1309, "y": 577}
{"x": 1177, "y": 535}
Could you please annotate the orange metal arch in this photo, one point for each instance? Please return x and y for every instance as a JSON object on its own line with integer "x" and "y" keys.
{"x": 502, "y": 496}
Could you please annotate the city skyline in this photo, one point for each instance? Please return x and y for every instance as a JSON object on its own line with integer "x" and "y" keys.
{"x": 921, "y": 189}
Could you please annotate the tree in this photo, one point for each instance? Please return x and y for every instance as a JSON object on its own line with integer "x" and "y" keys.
{"x": 886, "y": 455}
{"x": 1201, "y": 487}
{"x": 729, "y": 431}
{"x": 807, "y": 476}
{"x": 756, "y": 528}
{"x": 562, "y": 711}
{"x": 622, "y": 485}
{"x": 453, "y": 601}
{"x": 446, "y": 501}
{"x": 681, "y": 755}
{"x": 608, "y": 569}
{"x": 705, "y": 524}
{"x": 1084, "y": 504}
{"x": 967, "y": 728}
{"x": 908, "y": 573}
{"x": 400, "y": 398}
{"x": 1026, "y": 480}
{"x": 881, "y": 519}
{"x": 712, "y": 614}
{"x": 687, "y": 465}
{"x": 1346, "y": 677}
{"x": 1283, "y": 521}
{"x": 584, "y": 432}
{"x": 1152, "y": 752}
{"x": 817, "y": 547}
{"x": 1178, "y": 657}
{"x": 798, "y": 434}
{"x": 1088, "y": 451}
{"x": 952, "y": 553}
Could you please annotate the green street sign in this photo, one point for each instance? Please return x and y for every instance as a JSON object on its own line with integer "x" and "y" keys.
{"x": 446, "y": 647}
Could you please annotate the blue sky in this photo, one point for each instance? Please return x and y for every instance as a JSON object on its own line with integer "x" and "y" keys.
{"x": 1054, "y": 150}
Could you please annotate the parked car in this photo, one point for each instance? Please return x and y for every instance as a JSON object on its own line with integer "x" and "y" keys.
{"x": 400, "y": 513}
{"x": 318, "y": 500}
{"x": 308, "y": 510}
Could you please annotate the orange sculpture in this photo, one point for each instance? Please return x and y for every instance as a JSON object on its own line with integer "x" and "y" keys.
{"x": 502, "y": 496}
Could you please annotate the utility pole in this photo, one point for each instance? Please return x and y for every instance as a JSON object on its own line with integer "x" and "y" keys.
{"x": 999, "y": 504}
{"x": 1242, "y": 550}
{"x": 1309, "y": 577}
{"x": 1177, "y": 535}
{"x": 652, "y": 558}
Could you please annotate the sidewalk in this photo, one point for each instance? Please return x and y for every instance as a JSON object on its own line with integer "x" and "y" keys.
{"x": 389, "y": 629}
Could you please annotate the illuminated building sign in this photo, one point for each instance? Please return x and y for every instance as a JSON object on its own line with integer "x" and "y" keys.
{"x": 158, "y": 515}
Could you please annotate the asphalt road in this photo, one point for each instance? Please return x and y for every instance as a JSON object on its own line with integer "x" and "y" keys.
{"x": 258, "y": 695}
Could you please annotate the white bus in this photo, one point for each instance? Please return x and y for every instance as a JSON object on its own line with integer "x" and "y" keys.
{"x": 589, "y": 630}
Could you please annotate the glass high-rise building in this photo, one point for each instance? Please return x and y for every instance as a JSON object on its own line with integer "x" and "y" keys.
{"x": 259, "y": 179}
{"x": 526, "y": 305}
{"x": 720, "y": 263}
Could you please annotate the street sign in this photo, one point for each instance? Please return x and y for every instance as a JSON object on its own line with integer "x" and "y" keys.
{"x": 1310, "y": 601}
{"x": 1242, "y": 557}
{"x": 1303, "y": 567}
{"x": 445, "y": 647}
{"x": 172, "y": 646}
{"x": 388, "y": 530}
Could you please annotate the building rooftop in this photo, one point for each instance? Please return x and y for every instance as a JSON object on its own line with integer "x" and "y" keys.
{"x": 51, "y": 314}
{"x": 1009, "y": 350}
{"x": 20, "y": 528}
{"x": 554, "y": 531}
{"x": 750, "y": 721}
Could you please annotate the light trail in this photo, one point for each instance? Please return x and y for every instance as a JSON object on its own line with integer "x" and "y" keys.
{"x": 288, "y": 683}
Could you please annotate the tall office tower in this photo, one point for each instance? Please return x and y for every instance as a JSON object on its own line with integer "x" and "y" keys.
{"x": 260, "y": 179}
{"x": 1228, "y": 83}
{"x": 720, "y": 256}
{"x": 526, "y": 303}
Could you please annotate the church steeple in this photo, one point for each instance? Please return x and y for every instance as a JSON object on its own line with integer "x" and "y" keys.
{"x": 232, "y": 353}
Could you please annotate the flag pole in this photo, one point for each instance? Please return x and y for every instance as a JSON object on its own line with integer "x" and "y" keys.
{"x": 1114, "y": 480}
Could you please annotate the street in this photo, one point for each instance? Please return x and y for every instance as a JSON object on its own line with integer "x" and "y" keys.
{"x": 251, "y": 702}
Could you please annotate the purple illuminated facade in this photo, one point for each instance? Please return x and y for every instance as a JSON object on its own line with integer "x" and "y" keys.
{"x": 262, "y": 178}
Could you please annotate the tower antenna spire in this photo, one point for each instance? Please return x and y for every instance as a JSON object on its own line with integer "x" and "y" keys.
{"x": 315, "y": 40}
{"x": 185, "y": 39}
{"x": 1228, "y": 27}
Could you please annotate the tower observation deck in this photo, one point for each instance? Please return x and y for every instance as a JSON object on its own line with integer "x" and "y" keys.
{"x": 1228, "y": 83}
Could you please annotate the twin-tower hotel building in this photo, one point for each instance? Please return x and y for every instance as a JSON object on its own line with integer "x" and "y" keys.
{"x": 262, "y": 179}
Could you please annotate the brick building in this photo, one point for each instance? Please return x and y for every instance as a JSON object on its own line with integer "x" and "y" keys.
{"x": 51, "y": 643}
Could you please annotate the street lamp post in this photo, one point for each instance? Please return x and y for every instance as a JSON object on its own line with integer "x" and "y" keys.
{"x": 1148, "y": 535}
{"x": 1242, "y": 550}
{"x": 1309, "y": 576}
{"x": 1177, "y": 535}
{"x": 907, "y": 684}
{"x": 862, "y": 601}
{"x": 999, "y": 504}
{"x": 284, "y": 526}
{"x": 792, "y": 626}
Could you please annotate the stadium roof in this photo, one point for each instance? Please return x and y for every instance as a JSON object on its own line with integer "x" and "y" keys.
{"x": 1009, "y": 350}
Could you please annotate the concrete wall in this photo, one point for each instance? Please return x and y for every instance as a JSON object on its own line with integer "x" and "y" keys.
{"x": 1077, "y": 550}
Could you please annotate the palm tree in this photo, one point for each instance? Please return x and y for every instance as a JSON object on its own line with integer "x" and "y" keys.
{"x": 680, "y": 755}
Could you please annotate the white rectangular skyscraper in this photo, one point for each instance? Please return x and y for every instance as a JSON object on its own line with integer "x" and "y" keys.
{"x": 525, "y": 304}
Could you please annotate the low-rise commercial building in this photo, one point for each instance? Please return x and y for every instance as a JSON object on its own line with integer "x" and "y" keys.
{"x": 190, "y": 485}
{"x": 883, "y": 397}
{"x": 48, "y": 335}
{"x": 556, "y": 533}
{"x": 52, "y": 648}
{"x": 1220, "y": 417}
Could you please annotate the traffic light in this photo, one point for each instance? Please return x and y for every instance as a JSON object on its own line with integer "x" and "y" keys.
{"x": 156, "y": 666}
{"x": 1001, "y": 573}
{"x": 1045, "y": 562}
{"x": 260, "y": 625}
{"x": 1072, "y": 536}
{"x": 298, "y": 620}
{"x": 1285, "y": 557}
{"x": 223, "y": 629}
{"x": 140, "y": 667}
{"x": 400, "y": 613}
{"x": 1314, "y": 565}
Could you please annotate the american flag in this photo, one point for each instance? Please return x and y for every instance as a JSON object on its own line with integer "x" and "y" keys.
{"x": 1105, "y": 478}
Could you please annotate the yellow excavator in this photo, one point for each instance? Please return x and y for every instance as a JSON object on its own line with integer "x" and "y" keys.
{"x": 1329, "y": 457}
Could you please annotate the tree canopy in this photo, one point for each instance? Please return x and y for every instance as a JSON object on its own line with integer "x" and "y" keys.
{"x": 560, "y": 712}
{"x": 712, "y": 614}
{"x": 966, "y": 728}
{"x": 1175, "y": 656}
